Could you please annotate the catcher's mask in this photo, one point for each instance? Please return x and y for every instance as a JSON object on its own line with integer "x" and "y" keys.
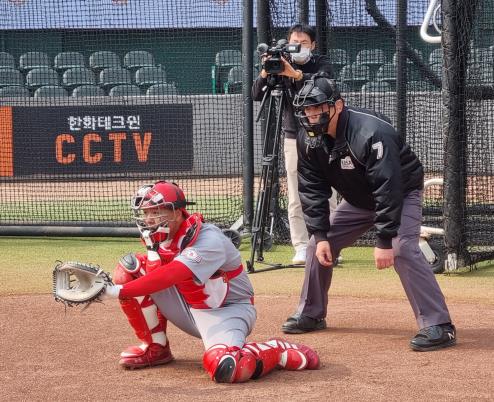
{"x": 154, "y": 206}
{"x": 318, "y": 91}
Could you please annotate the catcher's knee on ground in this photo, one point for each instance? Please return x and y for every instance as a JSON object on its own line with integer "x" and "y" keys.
{"x": 232, "y": 364}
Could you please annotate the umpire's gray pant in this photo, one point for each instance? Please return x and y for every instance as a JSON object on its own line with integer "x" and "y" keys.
{"x": 348, "y": 223}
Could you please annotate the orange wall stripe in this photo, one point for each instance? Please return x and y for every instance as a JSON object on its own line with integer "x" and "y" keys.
{"x": 6, "y": 143}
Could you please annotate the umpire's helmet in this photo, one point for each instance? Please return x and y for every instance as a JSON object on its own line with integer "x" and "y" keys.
{"x": 319, "y": 90}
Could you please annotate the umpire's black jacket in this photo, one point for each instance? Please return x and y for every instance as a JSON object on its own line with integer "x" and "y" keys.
{"x": 368, "y": 164}
{"x": 317, "y": 63}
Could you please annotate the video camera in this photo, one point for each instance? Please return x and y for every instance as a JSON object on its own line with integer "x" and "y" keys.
{"x": 274, "y": 64}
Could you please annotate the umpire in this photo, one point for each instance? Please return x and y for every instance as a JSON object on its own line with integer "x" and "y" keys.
{"x": 360, "y": 154}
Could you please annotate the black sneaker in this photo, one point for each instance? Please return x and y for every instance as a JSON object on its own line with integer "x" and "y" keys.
{"x": 299, "y": 324}
{"x": 435, "y": 337}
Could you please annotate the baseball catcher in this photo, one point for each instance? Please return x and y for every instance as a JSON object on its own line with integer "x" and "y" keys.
{"x": 192, "y": 276}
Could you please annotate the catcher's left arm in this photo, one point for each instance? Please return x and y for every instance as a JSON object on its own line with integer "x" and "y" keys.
{"x": 77, "y": 283}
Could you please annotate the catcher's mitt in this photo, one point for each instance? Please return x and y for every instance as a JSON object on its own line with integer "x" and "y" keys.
{"x": 77, "y": 283}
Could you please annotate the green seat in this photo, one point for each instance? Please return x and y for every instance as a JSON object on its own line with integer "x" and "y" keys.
{"x": 233, "y": 84}
{"x": 77, "y": 76}
{"x": 376, "y": 86}
{"x": 85, "y": 91}
{"x": 7, "y": 60}
{"x": 14, "y": 92}
{"x": 103, "y": 59}
{"x": 136, "y": 59}
{"x": 113, "y": 76}
{"x": 31, "y": 60}
{"x": 355, "y": 75}
{"x": 223, "y": 62}
{"x": 162, "y": 89}
{"x": 65, "y": 60}
{"x": 148, "y": 76}
{"x": 125, "y": 90}
{"x": 39, "y": 77}
{"x": 11, "y": 77}
{"x": 50, "y": 91}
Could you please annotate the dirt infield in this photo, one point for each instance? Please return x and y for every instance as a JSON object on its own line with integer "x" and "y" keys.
{"x": 48, "y": 355}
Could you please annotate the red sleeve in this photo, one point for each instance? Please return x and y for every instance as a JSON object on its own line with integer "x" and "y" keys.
{"x": 159, "y": 279}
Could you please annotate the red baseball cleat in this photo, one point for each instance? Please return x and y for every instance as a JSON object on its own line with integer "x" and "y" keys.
{"x": 291, "y": 360}
{"x": 154, "y": 355}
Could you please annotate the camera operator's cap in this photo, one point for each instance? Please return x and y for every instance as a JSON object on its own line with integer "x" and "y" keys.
{"x": 317, "y": 91}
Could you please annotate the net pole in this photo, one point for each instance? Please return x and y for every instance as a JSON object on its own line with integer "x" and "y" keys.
{"x": 321, "y": 26}
{"x": 455, "y": 43}
{"x": 248, "y": 109}
{"x": 401, "y": 66}
{"x": 263, "y": 22}
{"x": 303, "y": 11}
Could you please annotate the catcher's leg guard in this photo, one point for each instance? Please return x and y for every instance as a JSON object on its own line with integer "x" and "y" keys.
{"x": 228, "y": 364}
{"x": 149, "y": 326}
{"x": 296, "y": 356}
{"x": 267, "y": 357}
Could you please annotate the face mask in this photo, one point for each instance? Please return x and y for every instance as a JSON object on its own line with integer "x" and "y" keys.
{"x": 302, "y": 57}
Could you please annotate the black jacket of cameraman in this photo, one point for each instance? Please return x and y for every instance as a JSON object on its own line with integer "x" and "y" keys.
{"x": 369, "y": 165}
{"x": 317, "y": 63}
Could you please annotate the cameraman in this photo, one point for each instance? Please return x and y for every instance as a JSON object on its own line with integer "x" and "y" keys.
{"x": 303, "y": 65}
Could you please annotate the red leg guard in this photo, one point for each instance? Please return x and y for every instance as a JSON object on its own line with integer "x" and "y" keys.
{"x": 296, "y": 356}
{"x": 142, "y": 313}
{"x": 228, "y": 364}
{"x": 267, "y": 357}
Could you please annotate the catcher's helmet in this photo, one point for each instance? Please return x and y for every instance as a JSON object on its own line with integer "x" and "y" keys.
{"x": 158, "y": 198}
{"x": 319, "y": 90}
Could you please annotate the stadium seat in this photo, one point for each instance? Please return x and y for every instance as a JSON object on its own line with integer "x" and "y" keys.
{"x": 39, "y": 77}
{"x": 482, "y": 56}
{"x": 418, "y": 52}
{"x": 344, "y": 88}
{"x": 480, "y": 73}
{"x": 65, "y": 60}
{"x": 419, "y": 86}
{"x": 223, "y": 61}
{"x": 31, "y": 60}
{"x": 7, "y": 60}
{"x": 371, "y": 57}
{"x": 87, "y": 91}
{"x": 437, "y": 69}
{"x": 125, "y": 90}
{"x": 377, "y": 86}
{"x": 233, "y": 83}
{"x": 338, "y": 58}
{"x": 110, "y": 77}
{"x": 10, "y": 77}
{"x": 387, "y": 73}
{"x": 436, "y": 56}
{"x": 355, "y": 75}
{"x": 162, "y": 89}
{"x": 78, "y": 76}
{"x": 136, "y": 59}
{"x": 50, "y": 91}
{"x": 14, "y": 92}
{"x": 101, "y": 60}
{"x": 147, "y": 76}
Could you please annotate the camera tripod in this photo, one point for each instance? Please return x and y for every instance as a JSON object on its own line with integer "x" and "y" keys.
{"x": 267, "y": 210}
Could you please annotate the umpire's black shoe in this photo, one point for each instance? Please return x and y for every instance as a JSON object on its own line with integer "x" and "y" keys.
{"x": 299, "y": 324}
{"x": 435, "y": 337}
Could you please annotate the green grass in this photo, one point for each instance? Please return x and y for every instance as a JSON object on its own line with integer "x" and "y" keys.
{"x": 107, "y": 210}
{"x": 27, "y": 263}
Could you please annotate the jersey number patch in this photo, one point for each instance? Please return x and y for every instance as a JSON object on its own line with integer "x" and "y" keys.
{"x": 378, "y": 146}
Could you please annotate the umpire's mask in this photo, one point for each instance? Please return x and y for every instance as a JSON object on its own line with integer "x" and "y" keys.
{"x": 319, "y": 90}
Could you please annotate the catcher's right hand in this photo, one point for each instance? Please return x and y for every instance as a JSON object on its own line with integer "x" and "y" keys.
{"x": 77, "y": 283}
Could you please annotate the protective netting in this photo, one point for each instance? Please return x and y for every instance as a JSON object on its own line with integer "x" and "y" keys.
{"x": 99, "y": 97}
{"x": 360, "y": 39}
